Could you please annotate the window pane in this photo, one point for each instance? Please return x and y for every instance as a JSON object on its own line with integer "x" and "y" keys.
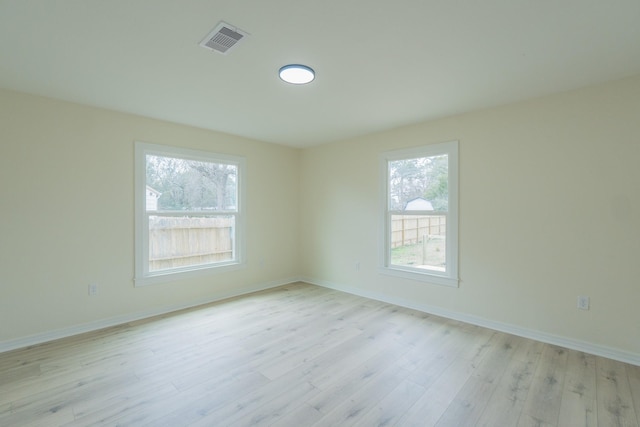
{"x": 185, "y": 241}
{"x": 419, "y": 241}
{"x": 419, "y": 184}
{"x": 180, "y": 184}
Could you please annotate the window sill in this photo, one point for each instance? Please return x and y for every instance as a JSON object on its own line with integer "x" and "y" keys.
{"x": 174, "y": 275}
{"x": 426, "y": 277}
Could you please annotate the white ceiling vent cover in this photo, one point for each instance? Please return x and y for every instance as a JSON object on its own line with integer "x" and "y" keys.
{"x": 223, "y": 38}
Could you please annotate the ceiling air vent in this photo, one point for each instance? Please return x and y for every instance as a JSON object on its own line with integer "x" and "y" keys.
{"x": 223, "y": 38}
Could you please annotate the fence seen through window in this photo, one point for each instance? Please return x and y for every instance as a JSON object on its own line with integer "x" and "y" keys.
{"x": 176, "y": 242}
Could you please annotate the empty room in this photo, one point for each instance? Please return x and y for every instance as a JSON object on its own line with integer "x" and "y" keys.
{"x": 295, "y": 213}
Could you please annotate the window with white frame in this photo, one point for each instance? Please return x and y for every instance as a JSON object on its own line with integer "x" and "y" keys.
{"x": 189, "y": 212}
{"x": 420, "y": 188}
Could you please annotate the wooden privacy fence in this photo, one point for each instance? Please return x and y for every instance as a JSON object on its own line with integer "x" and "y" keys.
{"x": 410, "y": 229}
{"x": 183, "y": 241}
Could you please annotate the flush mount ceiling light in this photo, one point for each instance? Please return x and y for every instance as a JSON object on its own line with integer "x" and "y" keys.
{"x": 297, "y": 74}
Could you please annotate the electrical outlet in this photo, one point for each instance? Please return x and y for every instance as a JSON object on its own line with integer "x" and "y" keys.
{"x": 93, "y": 289}
{"x": 583, "y": 303}
{"x": 357, "y": 265}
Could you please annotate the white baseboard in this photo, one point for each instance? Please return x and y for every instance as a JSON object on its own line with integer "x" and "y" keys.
{"x": 119, "y": 320}
{"x": 570, "y": 343}
{"x": 598, "y": 350}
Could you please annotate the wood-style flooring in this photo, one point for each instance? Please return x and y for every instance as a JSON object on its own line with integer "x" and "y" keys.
{"x": 302, "y": 355}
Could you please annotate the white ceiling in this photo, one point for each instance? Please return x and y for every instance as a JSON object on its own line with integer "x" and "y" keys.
{"x": 380, "y": 64}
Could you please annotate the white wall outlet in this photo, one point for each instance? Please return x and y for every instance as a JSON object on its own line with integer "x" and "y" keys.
{"x": 93, "y": 289}
{"x": 583, "y": 303}
{"x": 357, "y": 265}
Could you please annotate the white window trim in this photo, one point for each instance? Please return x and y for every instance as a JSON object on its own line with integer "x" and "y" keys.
{"x": 142, "y": 275}
{"x": 449, "y": 278}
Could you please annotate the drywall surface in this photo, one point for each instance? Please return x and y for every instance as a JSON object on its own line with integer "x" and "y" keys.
{"x": 67, "y": 196}
{"x": 549, "y": 209}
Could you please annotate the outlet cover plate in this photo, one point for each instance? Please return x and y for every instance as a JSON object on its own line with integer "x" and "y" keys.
{"x": 93, "y": 289}
{"x": 583, "y": 303}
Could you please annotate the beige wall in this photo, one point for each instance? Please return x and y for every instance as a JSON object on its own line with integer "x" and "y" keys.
{"x": 549, "y": 210}
{"x": 66, "y": 191}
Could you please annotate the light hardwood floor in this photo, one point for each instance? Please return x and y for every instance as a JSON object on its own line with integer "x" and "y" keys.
{"x": 302, "y": 355}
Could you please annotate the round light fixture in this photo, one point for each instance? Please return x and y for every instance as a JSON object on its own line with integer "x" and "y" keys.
{"x": 297, "y": 74}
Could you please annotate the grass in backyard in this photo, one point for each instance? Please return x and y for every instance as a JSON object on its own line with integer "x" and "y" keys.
{"x": 416, "y": 256}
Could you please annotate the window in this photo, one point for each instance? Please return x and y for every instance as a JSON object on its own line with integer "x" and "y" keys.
{"x": 421, "y": 213}
{"x": 189, "y": 212}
